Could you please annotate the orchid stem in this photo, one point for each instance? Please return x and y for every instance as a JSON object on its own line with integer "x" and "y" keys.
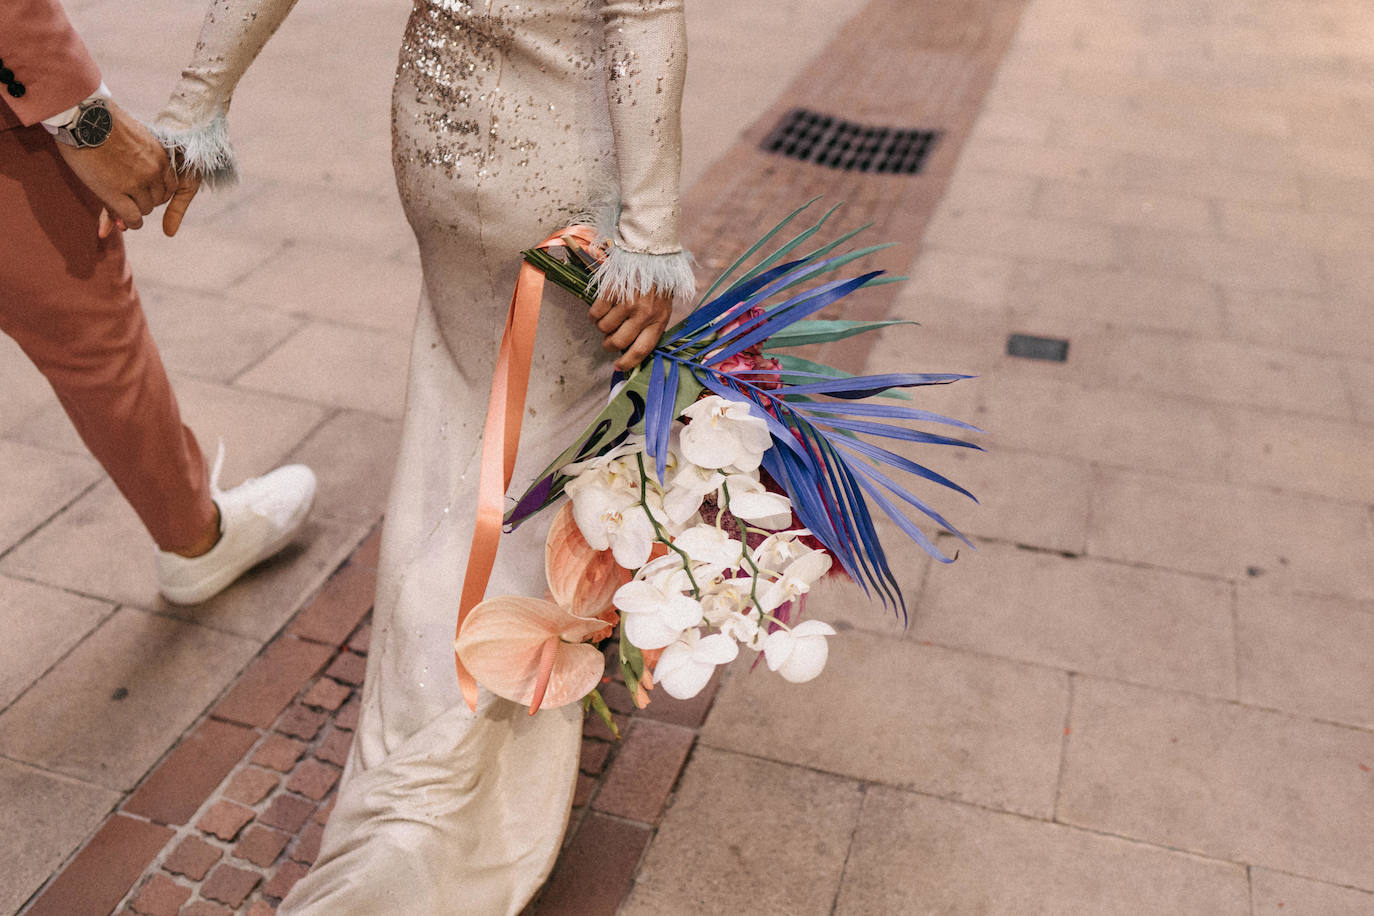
{"x": 659, "y": 534}
{"x": 744, "y": 544}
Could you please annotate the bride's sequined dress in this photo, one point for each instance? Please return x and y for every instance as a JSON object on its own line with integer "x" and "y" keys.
{"x": 510, "y": 120}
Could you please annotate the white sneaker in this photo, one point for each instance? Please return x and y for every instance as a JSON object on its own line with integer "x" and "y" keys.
{"x": 256, "y": 519}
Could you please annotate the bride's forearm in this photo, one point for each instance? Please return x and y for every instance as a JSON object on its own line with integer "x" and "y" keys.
{"x": 193, "y": 121}
{"x": 646, "y": 66}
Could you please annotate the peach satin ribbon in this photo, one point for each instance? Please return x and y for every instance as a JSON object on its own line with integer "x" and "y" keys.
{"x": 501, "y": 436}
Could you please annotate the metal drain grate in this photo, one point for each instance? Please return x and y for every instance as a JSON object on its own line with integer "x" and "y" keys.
{"x": 826, "y": 140}
{"x": 1048, "y": 348}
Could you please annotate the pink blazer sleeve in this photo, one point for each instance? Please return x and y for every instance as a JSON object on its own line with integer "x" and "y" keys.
{"x": 46, "y": 58}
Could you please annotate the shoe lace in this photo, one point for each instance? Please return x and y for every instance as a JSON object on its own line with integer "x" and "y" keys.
{"x": 215, "y": 491}
{"x": 269, "y": 504}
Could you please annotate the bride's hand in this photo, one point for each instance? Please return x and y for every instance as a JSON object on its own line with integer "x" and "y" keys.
{"x": 187, "y": 186}
{"x": 632, "y": 327}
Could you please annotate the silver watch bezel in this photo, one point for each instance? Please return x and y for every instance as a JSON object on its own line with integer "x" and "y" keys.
{"x": 69, "y": 134}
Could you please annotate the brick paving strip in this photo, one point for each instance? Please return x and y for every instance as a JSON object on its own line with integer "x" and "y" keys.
{"x": 232, "y": 817}
{"x": 905, "y": 64}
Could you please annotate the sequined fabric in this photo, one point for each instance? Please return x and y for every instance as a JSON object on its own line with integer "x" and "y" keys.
{"x": 509, "y": 120}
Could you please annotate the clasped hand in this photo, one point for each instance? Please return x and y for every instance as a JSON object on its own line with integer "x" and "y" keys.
{"x": 632, "y": 327}
{"x": 132, "y": 175}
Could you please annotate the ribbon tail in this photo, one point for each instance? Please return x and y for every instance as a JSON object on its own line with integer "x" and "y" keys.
{"x": 501, "y": 438}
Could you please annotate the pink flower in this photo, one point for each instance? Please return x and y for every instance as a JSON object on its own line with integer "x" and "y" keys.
{"x": 757, "y": 369}
{"x": 538, "y": 652}
{"x": 745, "y": 318}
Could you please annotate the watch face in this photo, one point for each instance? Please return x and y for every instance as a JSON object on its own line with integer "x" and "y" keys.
{"x": 93, "y": 126}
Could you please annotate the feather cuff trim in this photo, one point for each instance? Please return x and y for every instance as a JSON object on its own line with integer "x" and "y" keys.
{"x": 626, "y": 274}
{"x": 205, "y": 151}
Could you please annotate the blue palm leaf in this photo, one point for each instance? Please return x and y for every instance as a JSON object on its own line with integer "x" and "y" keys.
{"x": 795, "y": 309}
{"x": 706, "y": 318}
{"x": 817, "y": 418}
{"x": 821, "y": 330}
{"x": 905, "y": 524}
{"x": 795, "y": 367}
{"x": 875, "y": 474}
{"x": 658, "y": 412}
{"x": 887, "y": 411}
{"x": 856, "y": 510}
{"x": 714, "y": 316}
{"x": 864, "y": 386}
{"x": 897, "y": 432}
{"x": 878, "y": 453}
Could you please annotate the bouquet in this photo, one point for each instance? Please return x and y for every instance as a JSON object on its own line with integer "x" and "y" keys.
{"x": 721, "y": 481}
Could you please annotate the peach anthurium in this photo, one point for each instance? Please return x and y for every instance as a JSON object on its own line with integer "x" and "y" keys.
{"x": 531, "y": 651}
{"x": 535, "y": 651}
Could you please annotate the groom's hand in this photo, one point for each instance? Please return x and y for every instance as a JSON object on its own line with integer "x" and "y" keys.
{"x": 632, "y": 327}
{"x": 130, "y": 172}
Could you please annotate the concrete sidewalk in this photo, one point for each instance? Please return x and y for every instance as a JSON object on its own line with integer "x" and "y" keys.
{"x": 1149, "y": 691}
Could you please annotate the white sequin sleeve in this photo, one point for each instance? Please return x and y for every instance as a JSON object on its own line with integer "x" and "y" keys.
{"x": 646, "y": 66}
{"x": 193, "y": 122}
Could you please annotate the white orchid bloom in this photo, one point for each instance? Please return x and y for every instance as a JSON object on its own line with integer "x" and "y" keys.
{"x": 798, "y": 654}
{"x": 744, "y": 629}
{"x": 724, "y": 598}
{"x": 710, "y": 545}
{"x": 686, "y": 665}
{"x": 665, "y": 572}
{"x": 609, "y": 514}
{"x": 750, "y": 501}
{"x": 686, "y": 490}
{"x": 797, "y": 579}
{"x": 631, "y": 534}
{"x": 724, "y": 433}
{"x": 609, "y": 520}
{"x": 779, "y": 550}
{"x": 654, "y": 613}
{"x": 597, "y": 501}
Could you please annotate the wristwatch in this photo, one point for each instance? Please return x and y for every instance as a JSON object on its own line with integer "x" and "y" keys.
{"x": 90, "y": 126}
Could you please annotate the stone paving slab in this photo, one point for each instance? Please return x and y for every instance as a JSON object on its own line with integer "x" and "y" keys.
{"x": 919, "y": 855}
{"x": 964, "y": 726}
{"x": 353, "y": 454}
{"x": 39, "y": 482}
{"x": 1024, "y": 498}
{"x": 26, "y": 391}
{"x": 1148, "y": 626}
{"x": 341, "y": 366}
{"x": 749, "y": 835}
{"x": 341, "y": 284}
{"x": 1053, "y": 297}
{"x": 1295, "y": 542}
{"x": 117, "y": 713}
{"x": 44, "y": 624}
{"x": 44, "y": 816}
{"x": 1308, "y": 656}
{"x": 211, "y": 337}
{"x": 1277, "y": 894}
{"x": 1221, "y": 779}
